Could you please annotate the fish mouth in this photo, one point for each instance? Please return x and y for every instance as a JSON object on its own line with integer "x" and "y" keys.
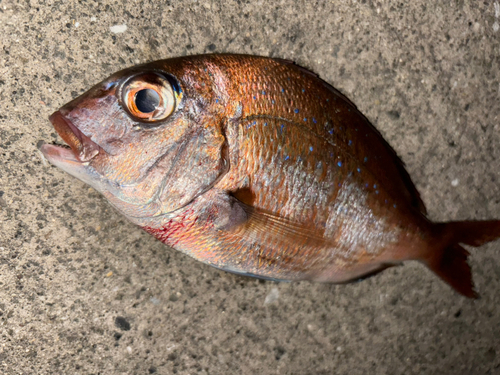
{"x": 82, "y": 148}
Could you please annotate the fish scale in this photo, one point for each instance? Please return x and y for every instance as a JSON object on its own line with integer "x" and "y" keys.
{"x": 331, "y": 114}
{"x": 256, "y": 166}
{"x": 273, "y": 188}
{"x": 318, "y": 196}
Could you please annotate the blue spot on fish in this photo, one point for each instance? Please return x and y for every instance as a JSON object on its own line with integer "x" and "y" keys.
{"x": 265, "y": 124}
{"x": 263, "y": 93}
{"x": 217, "y": 100}
{"x": 365, "y": 159}
{"x": 272, "y": 101}
{"x": 282, "y": 90}
{"x": 359, "y": 170}
{"x": 314, "y": 120}
{"x": 254, "y": 97}
{"x": 287, "y": 157}
{"x": 305, "y": 118}
{"x": 374, "y": 186}
{"x": 296, "y": 110}
{"x": 311, "y": 148}
{"x": 282, "y": 127}
{"x": 303, "y": 90}
{"x": 350, "y": 142}
{"x": 330, "y": 131}
{"x": 339, "y": 163}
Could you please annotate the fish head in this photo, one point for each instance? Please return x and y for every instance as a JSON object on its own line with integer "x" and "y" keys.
{"x": 147, "y": 138}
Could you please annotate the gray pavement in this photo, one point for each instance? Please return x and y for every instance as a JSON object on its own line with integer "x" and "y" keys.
{"x": 82, "y": 291}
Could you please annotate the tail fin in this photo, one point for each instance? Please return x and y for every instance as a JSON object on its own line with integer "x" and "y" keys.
{"x": 450, "y": 261}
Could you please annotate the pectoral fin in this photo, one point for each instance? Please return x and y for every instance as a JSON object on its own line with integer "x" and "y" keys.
{"x": 258, "y": 225}
{"x": 296, "y": 250}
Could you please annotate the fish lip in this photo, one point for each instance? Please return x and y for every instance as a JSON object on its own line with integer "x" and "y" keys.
{"x": 82, "y": 147}
{"x": 55, "y": 152}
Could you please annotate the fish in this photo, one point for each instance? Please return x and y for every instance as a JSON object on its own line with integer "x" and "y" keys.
{"x": 256, "y": 166}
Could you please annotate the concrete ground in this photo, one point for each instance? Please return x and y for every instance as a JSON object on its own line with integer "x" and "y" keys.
{"x": 82, "y": 291}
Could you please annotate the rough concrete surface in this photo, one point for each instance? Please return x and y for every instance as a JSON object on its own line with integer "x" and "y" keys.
{"x": 82, "y": 291}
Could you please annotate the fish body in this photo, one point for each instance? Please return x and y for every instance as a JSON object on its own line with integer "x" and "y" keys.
{"x": 258, "y": 167}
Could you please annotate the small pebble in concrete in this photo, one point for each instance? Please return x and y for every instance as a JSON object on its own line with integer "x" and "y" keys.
{"x": 272, "y": 296}
{"x": 122, "y": 323}
{"x": 118, "y": 29}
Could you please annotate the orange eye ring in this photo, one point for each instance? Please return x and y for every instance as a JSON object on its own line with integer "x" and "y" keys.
{"x": 149, "y": 97}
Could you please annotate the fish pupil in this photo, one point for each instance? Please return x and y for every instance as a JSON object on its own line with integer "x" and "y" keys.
{"x": 147, "y": 100}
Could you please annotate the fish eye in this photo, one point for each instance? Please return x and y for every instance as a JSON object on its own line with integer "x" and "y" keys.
{"x": 149, "y": 97}
{"x": 147, "y": 100}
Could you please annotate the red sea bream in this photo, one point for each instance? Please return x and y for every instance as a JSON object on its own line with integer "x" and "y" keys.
{"x": 256, "y": 166}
